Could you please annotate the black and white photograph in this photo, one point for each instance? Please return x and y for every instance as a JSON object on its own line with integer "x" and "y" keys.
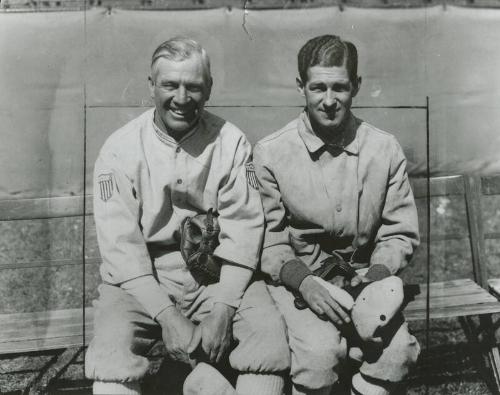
{"x": 250, "y": 197}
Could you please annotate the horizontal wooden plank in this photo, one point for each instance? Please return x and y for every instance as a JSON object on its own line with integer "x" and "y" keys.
{"x": 452, "y": 299}
{"x": 39, "y": 208}
{"x": 439, "y": 186}
{"x": 23, "y": 332}
{"x": 49, "y": 263}
{"x": 71, "y": 206}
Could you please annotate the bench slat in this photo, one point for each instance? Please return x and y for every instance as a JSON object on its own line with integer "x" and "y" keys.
{"x": 23, "y": 332}
{"x": 455, "y": 298}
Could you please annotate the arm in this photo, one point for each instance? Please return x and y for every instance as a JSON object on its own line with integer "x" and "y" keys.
{"x": 276, "y": 248}
{"x": 126, "y": 260}
{"x": 398, "y": 234}
{"x": 241, "y": 224}
{"x": 278, "y": 257}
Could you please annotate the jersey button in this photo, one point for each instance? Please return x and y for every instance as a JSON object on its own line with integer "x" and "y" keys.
{"x": 178, "y": 149}
{"x": 179, "y": 181}
{"x": 338, "y": 207}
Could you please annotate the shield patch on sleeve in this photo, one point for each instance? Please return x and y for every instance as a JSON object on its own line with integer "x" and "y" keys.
{"x": 106, "y": 187}
{"x": 251, "y": 176}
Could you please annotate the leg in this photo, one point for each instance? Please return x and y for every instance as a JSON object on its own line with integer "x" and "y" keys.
{"x": 316, "y": 345}
{"x": 262, "y": 353}
{"x": 123, "y": 334}
{"x": 392, "y": 366}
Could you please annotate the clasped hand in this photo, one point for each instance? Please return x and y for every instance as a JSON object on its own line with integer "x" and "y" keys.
{"x": 182, "y": 338}
{"x": 214, "y": 333}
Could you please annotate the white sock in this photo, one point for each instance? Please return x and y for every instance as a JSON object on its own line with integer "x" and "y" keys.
{"x": 319, "y": 391}
{"x": 114, "y": 388}
{"x": 364, "y": 387}
{"x": 206, "y": 380}
{"x": 259, "y": 384}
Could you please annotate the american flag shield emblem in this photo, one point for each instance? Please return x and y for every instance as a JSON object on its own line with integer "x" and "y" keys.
{"x": 105, "y": 182}
{"x": 251, "y": 177}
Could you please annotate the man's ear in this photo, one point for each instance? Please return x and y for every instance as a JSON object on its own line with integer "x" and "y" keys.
{"x": 357, "y": 86}
{"x": 209, "y": 88}
{"x": 300, "y": 86}
{"x": 151, "y": 87}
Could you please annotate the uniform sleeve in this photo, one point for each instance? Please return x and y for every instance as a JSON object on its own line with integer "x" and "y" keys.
{"x": 240, "y": 218}
{"x": 398, "y": 235}
{"x": 125, "y": 256}
{"x": 276, "y": 248}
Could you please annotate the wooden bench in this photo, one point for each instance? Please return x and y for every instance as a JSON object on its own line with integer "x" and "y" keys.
{"x": 65, "y": 329}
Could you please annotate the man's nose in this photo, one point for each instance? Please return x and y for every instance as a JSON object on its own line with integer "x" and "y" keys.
{"x": 329, "y": 100}
{"x": 181, "y": 96}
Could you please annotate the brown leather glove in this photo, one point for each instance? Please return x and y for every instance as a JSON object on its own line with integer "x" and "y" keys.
{"x": 199, "y": 238}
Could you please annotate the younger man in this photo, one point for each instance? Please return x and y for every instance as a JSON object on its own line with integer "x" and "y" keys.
{"x": 333, "y": 185}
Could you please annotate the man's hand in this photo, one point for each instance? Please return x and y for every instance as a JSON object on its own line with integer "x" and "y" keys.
{"x": 320, "y": 301}
{"x": 177, "y": 332}
{"x": 214, "y": 332}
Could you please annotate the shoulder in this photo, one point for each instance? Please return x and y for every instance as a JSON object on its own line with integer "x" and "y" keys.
{"x": 376, "y": 138}
{"x": 128, "y": 136}
{"x": 227, "y": 134}
{"x": 122, "y": 144}
{"x": 282, "y": 139}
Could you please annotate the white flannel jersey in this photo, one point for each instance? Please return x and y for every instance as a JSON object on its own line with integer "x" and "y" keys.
{"x": 146, "y": 184}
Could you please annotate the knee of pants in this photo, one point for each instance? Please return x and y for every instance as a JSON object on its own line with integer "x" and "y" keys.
{"x": 114, "y": 354}
{"x": 315, "y": 357}
{"x": 262, "y": 345}
{"x": 397, "y": 358}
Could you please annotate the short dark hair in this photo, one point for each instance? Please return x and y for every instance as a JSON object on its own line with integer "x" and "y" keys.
{"x": 328, "y": 50}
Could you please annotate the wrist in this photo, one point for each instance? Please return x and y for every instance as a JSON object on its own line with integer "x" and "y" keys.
{"x": 293, "y": 273}
{"x": 306, "y": 283}
{"x": 377, "y": 272}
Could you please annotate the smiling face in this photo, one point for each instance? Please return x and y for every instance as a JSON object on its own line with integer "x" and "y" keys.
{"x": 328, "y": 92}
{"x": 179, "y": 90}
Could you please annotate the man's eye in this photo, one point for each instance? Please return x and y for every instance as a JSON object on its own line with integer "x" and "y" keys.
{"x": 194, "y": 88}
{"x": 168, "y": 86}
{"x": 341, "y": 87}
{"x": 316, "y": 88}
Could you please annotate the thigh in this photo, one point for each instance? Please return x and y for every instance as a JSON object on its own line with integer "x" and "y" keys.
{"x": 316, "y": 345}
{"x": 120, "y": 319}
{"x": 260, "y": 333}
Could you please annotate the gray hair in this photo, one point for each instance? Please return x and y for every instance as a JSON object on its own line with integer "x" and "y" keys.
{"x": 181, "y": 48}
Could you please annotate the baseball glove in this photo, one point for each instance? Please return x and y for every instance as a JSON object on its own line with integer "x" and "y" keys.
{"x": 199, "y": 238}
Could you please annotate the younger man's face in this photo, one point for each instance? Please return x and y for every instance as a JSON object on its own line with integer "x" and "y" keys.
{"x": 328, "y": 92}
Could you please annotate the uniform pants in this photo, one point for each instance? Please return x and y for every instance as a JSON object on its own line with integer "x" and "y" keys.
{"x": 124, "y": 333}
{"x": 317, "y": 347}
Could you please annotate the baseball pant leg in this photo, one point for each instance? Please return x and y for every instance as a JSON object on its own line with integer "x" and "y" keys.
{"x": 316, "y": 345}
{"x": 123, "y": 334}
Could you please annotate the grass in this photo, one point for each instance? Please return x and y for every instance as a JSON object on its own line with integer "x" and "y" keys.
{"x": 446, "y": 367}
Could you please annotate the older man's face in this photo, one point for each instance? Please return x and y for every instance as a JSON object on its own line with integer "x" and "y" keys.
{"x": 179, "y": 90}
{"x": 328, "y": 92}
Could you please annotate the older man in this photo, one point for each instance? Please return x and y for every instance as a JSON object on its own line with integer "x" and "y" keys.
{"x": 333, "y": 185}
{"x": 170, "y": 163}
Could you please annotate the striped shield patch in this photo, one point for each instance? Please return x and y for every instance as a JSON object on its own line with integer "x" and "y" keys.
{"x": 251, "y": 177}
{"x": 105, "y": 182}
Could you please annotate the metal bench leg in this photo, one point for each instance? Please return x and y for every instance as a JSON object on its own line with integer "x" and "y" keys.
{"x": 39, "y": 386}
